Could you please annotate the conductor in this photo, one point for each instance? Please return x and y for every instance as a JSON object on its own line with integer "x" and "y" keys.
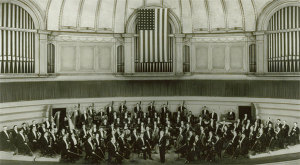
{"x": 162, "y": 146}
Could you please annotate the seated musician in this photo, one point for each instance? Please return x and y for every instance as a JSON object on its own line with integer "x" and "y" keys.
{"x": 5, "y": 140}
{"x": 144, "y": 146}
{"x": 45, "y": 144}
{"x": 123, "y": 146}
{"x": 90, "y": 151}
{"x": 232, "y": 145}
{"x": 244, "y": 121}
{"x": 190, "y": 118}
{"x": 218, "y": 147}
{"x": 25, "y": 128}
{"x": 54, "y": 140}
{"x": 270, "y": 135}
{"x": 260, "y": 141}
{"x": 22, "y": 145}
{"x": 294, "y": 134}
{"x": 113, "y": 151}
{"x": 74, "y": 145}
{"x": 231, "y": 115}
{"x": 242, "y": 147}
{"x": 33, "y": 138}
{"x": 278, "y": 139}
{"x": 99, "y": 146}
{"x": 208, "y": 145}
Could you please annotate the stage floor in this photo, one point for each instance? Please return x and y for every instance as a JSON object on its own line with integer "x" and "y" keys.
{"x": 280, "y": 157}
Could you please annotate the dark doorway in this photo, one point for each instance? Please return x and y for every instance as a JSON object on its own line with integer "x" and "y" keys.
{"x": 245, "y": 110}
{"x": 59, "y": 117}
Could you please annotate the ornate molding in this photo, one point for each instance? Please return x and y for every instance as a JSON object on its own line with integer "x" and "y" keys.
{"x": 84, "y": 38}
{"x": 219, "y": 39}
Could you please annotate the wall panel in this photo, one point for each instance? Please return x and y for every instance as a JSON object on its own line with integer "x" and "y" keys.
{"x": 68, "y": 58}
{"x": 87, "y": 58}
{"x": 202, "y": 57}
{"x": 236, "y": 57}
{"x": 218, "y": 57}
{"x": 18, "y": 91}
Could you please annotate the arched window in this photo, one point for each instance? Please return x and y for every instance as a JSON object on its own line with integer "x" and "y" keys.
{"x": 283, "y": 40}
{"x": 120, "y": 59}
{"x": 17, "y": 40}
{"x": 154, "y": 44}
{"x": 252, "y": 58}
{"x": 51, "y": 58}
{"x": 186, "y": 58}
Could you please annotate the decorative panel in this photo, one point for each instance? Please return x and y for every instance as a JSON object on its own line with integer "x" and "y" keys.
{"x": 236, "y": 57}
{"x": 104, "y": 58}
{"x": 202, "y": 57}
{"x": 68, "y": 58}
{"x": 86, "y": 58}
{"x": 218, "y": 57}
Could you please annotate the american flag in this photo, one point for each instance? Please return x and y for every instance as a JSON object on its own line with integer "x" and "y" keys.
{"x": 153, "y": 35}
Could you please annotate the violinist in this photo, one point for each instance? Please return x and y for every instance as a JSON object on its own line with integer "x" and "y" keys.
{"x": 144, "y": 146}
{"x": 33, "y": 139}
{"x": 294, "y": 134}
{"x": 90, "y": 150}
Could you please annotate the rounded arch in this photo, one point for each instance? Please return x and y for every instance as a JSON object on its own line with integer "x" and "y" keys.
{"x": 33, "y": 9}
{"x": 173, "y": 20}
{"x": 269, "y": 11}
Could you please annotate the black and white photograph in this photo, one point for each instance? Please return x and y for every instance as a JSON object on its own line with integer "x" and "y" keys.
{"x": 130, "y": 82}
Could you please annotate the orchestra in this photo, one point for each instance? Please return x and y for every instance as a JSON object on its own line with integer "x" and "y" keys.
{"x": 115, "y": 135}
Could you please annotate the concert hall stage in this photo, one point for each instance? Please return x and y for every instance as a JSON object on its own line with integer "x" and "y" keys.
{"x": 284, "y": 156}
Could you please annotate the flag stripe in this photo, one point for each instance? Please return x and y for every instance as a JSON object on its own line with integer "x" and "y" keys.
{"x": 160, "y": 36}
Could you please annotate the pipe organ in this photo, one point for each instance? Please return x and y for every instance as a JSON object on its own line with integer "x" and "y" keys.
{"x": 17, "y": 40}
{"x": 283, "y": 40}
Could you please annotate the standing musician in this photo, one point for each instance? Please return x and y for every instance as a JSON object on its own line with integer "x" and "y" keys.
{"x": 162, "y": 146}
{"x": 151, "y": 110}
{"x": 33, "y": 139}
{"x": 294, "y": 134}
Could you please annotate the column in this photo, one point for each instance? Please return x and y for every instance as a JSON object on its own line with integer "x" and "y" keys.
{"x": 261, "y": 52}
{"x": 178, "y": 60}
{"x": 128, "y": 54}
{"x": 41, "y": 55}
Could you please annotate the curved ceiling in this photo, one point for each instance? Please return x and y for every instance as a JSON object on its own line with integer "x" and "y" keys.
{"x": 111, "y": 15}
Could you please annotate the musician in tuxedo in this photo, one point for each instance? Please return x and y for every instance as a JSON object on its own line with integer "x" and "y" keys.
{"x": 294, "y": 134}
{"x": 42, "y": 129}
{"x": 122, "y": 108}
{"x": 214, "y": 116}
{"x": 5, "y": 140}
{"x": 189, "y": 146}
{"x": 242, "y": 147}
{"x": 205, "y": 113}
{"x": 22, "y": 145}
{"x": 99, "y": 146}
{"x": 233, "y": 142}
{"x": 231, "y": 115}
{"x": 270, "y": 135}
{"x": 182, "y": 110}
{"x": 90, "y": 151}
{"x": 123, "y": 145}
{"x": 151, "y": 110}
{"x": 190, "y": 118}
{"x": 46, "y": 147}
{"x": 138, "y": 110}
{"x": 33, "y": 139}
{"x": 162, "y": 146}
{"x": 74, "y": 145}
{"x": 113, "y": 151}
{"x": 244, "y": 121}
{"x": 164, "y": 111}
{"x": 14, "y": 135}
{"x": 84, "y": 118}
{"x": 144, "y": 146}
{"x": 47, "y": 123}
{"x": 25, "y": 128}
